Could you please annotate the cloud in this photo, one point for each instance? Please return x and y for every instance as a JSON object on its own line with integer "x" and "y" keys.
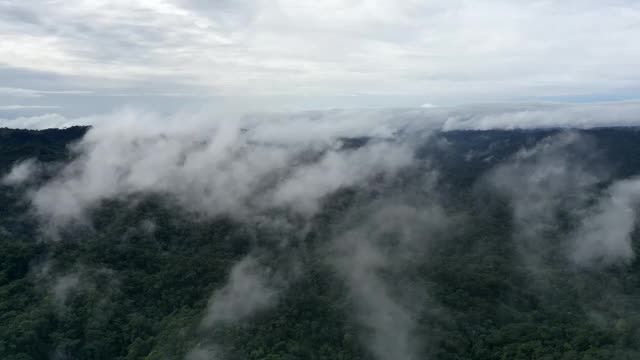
{"x": 46, "y": 121}
{"x": 234, "y": 164}
{"x": 21, "y": 92}
{"x": 386, "y": 241}
{"x": 210, "y": 167}
{"x": 310, "y": 126}
{"x": 604, "y": 235}
{"x": 546, "y": 116}
{"x": 562, "y": 174}
{"x": 203, "y": 353}
{"x": 308, "y": 184}
{"x": 559, "y": 173}
{"x": 63, "y": 287}
{"x": 244, "y": 167}
{"x": 21, "y": 173}
{"x": 155, "y": 94}
{"x": 250, "y": 288}
{"x": 247, "y": 165}
{"x": 27, "y": 107}
{"x": 456, "y": 51}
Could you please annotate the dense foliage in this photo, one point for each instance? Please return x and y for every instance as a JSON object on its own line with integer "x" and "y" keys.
{"x": 135, "y": 283}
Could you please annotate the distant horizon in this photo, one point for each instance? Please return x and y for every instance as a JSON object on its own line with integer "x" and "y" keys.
{"x": 478, "y": 116}
{"x": 87, "y": 57}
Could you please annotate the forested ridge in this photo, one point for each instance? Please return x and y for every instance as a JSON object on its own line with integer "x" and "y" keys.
{"x": 134, "y": 279}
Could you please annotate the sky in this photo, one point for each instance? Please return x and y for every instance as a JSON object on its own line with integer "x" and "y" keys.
{"x": 76, "y": 57}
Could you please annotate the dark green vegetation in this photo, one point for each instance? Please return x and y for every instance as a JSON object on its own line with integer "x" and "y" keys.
{"x": 135, "y": 283}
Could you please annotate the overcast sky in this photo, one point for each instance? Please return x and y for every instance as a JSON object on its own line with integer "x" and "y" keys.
{"x": 69, "y": 56}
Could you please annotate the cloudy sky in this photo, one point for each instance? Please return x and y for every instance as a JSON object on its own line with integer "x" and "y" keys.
{"x": 82, "y": 56}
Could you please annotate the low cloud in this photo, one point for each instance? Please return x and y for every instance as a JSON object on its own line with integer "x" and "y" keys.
{"x": 251, "y": 287}
{"x": 367, "y": 254}
{"x": 604, "y": 235}
{"x": 557, "y": 174}
{"x": 305, "y": 126}
{"x": 46, "y": 121}
{"x": 308, "y": 184}
{"x": 578, "y": 116}
{"x": 63, "y": 286}
{"x": 215, "y": 166}
{"x": 561, "y": 174}
{"x": 203, "y": 352}
{"x": 248, "y": 166}
{"x": 22, "y": 172}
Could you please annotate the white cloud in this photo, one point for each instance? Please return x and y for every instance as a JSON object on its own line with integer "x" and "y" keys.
{"x": 554, "y": 175}
{"x": 308, "y": 126}
{"x": 362, "y": 255}
{"x": 21, "y": 92}
{"x": 21, "y": 173}
{"x": 46, "y": 121}
{"x": 231, "y": 164}
{"x": 454, "y": 51}
{"x": 209, "y": 165}
{"x": 308, "y": 184}
{"x": 27, "y": 107}
{"x": 302, "y": 127}
{"x": 604, "y": 236}
{"x": 248, "y": 290}
{"x": 547, "y": 116}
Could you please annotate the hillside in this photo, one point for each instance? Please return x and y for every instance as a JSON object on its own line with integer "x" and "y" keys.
{"x": 497, "y": 244}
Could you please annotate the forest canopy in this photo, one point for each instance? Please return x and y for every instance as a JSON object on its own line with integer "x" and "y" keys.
{"x": 224, "y": 243}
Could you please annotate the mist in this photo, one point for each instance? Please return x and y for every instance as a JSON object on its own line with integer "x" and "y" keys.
{"x": 556, "y": 175}
{"x": 378, "y": 244}
{"x": 604, "y": 235}
{"x": 282, "y": 175}
{"x": 207, "y": 167}
{"x": 322, "y": 180}
{"x": 250, "y": 288}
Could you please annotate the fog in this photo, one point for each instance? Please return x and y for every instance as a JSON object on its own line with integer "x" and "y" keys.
{"x": 604, "y": 235}
{"x": 376, "y": 245}
{"x": 209, "y": 167}
{"x": 250, "y": 288}
{"x": 280, "y": 169}
{"x": 555, "y": 175}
